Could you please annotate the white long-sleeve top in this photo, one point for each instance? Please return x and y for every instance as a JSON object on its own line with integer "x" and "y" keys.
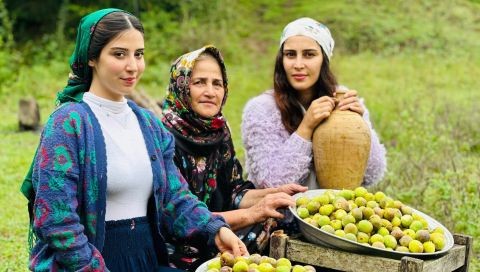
{"x": 129, "y": 172}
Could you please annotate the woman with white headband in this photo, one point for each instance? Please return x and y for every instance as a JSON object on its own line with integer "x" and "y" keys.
{"x": 277, "y": 125}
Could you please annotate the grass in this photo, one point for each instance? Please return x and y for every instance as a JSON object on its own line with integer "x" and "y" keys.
{"x": 415, "y": 63}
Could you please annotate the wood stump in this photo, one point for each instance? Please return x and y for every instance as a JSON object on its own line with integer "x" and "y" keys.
{"x": 144, "y": 101}
{"x": 28, "y": 114}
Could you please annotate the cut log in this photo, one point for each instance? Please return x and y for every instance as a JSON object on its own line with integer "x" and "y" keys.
{"x": 141, "y": 98}
{"x": 28, "y": 114}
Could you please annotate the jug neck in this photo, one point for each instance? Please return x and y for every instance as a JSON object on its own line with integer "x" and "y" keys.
{"x": 339, "y": 95}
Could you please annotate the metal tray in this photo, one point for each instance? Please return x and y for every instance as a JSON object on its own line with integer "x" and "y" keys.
{"x": 204, "y": 266}
{"x": 323, "y": 238}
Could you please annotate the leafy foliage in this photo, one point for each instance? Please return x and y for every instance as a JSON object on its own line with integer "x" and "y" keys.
{"x": 6, "y": 43}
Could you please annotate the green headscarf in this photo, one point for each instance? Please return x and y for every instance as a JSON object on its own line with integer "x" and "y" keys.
{"x": 78, "y": 83}
{"x": 81, "y": 76}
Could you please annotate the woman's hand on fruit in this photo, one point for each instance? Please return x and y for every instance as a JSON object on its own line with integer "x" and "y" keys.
{"x": 268, "y": 205}
{"x": 226, "y": 240}
{"x": 319, "y": 110}
{"x": 351, "y": 102}
{"x": 292, "y": 188}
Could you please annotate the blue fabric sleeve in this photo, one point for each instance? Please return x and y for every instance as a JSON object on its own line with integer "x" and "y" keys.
{"x": 185, "y": 214}
{"x": 62, "y": 244}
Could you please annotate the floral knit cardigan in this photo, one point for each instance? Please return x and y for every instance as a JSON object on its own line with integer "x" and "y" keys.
{"x": 69, "y": 179}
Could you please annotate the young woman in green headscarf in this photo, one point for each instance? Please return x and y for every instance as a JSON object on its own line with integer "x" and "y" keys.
{"x": 103, "y": 189}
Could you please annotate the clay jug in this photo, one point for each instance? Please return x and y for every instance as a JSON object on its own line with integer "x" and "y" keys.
{"x": 341, "y": 147}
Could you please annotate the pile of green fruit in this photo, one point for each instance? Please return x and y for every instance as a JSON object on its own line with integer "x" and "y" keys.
{"x": 254, "y": 263}
{"x": 372, "y": 219}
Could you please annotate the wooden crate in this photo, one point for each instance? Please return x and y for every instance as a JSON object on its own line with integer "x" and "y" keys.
{"x": 457, "y": 258}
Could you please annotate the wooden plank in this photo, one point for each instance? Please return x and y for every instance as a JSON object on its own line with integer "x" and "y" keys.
{"x": 278, "y": 244}
{"x": 409, "y": 264}
{"x": 300, "y": 251}
{"x": 467, "y": 241}
{"x": 308, "y": 253}
{"x": 454, "y": 259}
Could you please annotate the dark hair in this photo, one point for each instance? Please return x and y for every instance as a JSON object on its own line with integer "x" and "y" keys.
{"x": 286, "y": 97}
{"x": 108, "y": 28}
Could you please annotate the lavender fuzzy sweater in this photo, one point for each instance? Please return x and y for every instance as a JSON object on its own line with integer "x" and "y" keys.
{"x": 276, "y": 157}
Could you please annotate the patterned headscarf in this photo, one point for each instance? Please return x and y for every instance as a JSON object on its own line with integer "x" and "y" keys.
{"x": 81, "y": 76}
{"x": 177, "y": 108}
{"x": 312, "y": 29}
{"x": 192, "y": 130}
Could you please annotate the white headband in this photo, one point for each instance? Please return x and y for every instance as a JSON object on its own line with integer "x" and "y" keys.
{"x": 312, "y": 29}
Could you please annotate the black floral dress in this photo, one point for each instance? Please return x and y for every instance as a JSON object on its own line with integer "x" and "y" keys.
{"x": 194, "y": 164}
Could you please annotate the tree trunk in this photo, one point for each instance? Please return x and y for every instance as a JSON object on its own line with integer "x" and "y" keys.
{"x": 28, "y": 114}
{"x": 143, "y": 100}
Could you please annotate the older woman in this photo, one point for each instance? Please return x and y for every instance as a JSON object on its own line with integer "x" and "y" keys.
{"x": 205, "y": 155}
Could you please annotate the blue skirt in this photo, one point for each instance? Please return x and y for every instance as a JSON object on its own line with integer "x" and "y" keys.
{"x": 129, "y": 246}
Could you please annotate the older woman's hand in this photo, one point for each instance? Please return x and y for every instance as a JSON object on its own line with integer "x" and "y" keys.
{"x": 268, "y": 205}
{"x": 226, "y": 240}
{"x": 292, "y": 188}
{"x": 351, "y": 102}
